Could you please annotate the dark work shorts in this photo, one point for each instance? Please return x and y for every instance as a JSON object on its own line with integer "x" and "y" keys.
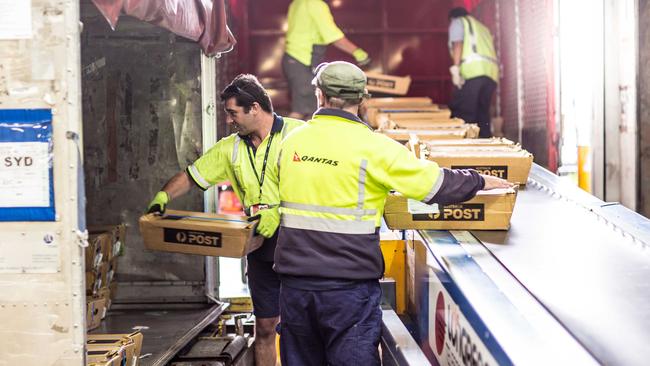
{"x": 264, "y": 285}
{"x": 299, "y": 76}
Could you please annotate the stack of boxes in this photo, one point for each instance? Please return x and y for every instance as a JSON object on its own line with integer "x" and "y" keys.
{"x": 105, "y": 244}
{"x": 113, "y": 349}
{"x": 489, "y": 210}
{"x": 401, "y": 118}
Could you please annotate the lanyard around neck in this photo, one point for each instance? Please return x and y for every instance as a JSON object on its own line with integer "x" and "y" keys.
{"x": 260, "y": 178}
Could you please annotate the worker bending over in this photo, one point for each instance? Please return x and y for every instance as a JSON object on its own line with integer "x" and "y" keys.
{"x": 247, "y": 159}
{"x": 311, "y": 28}
{"x": 475, "y": 69}
{"x": 335, "y": 175}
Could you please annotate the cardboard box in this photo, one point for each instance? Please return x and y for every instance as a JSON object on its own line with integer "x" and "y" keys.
{"x": 93, "y": 282}
{"x": 416, "y": 124}
{"x": 466, "y": 131}
{"x": 95, "y": 311}
{"x": 100, "y": 357}
{"x": 93, "y": 255}
{"x": 104, "y": 241}
{"x": 129, "y": 346}
{"x": 417, "y": 282}
{"x": 494, "y": 141}
{"x": 510, "y": 164}
{"x": 479, "y": 150}
{"x": 105, "y": 292}
{"x": 489, "y": 210}
{"x": 433, "y": 116}
{"x": 200, "y": 233}
{"x": 399, "y": 102}
{"x": 380, "y": 83}
{"x": 405, "y": 135}
{"x": 117, "y": 235}
{"x": 113, "y": 288}
{"x": 373, "y": 114}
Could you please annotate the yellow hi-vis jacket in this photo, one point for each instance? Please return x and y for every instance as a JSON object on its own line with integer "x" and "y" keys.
{"x": 232, "y": 159}
{"x": 310, "y": 23}
{"x": 478, "y": 57}
{"x": 335, "y": 174}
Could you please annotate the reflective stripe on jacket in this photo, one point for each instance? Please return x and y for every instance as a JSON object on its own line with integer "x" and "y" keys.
{"x": 335, "y": 175}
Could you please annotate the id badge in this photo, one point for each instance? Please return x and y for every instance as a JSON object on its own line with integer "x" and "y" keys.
{"x": 254, "y": 209}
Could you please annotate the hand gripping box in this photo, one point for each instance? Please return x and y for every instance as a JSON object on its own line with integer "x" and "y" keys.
{"x": 489, "y": 210}
{"x": 200, "y": 233}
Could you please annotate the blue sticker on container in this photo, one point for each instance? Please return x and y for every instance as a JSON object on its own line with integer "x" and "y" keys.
{"x": 26, "y": 165}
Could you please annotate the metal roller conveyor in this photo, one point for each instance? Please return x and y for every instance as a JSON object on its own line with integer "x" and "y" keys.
{"x": 567, "y": 284}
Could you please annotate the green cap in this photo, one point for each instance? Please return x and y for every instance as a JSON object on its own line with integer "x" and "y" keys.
{"x": 341, "y": 79}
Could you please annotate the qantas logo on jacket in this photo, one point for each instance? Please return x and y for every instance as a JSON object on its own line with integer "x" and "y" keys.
{"x": 314, "y": 159}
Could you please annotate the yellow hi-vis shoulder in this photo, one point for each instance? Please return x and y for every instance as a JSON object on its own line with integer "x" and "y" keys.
{"x": 335, "y": 174}
{"x": 229, "y": 160}
{"x": 478, "y": 57}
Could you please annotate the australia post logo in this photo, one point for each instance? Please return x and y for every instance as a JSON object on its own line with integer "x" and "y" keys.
{"x": 314, "y": 159}
{"x": 192, "y": 237}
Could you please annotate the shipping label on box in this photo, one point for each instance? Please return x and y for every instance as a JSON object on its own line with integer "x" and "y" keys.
{"x": 489, "y": 210}
{"x": 200, "y": 233}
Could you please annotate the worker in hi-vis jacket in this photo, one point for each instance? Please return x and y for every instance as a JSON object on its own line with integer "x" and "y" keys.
{"x": 475, "y": 69}
{"x": 247, "y": 159}
{"x": 311, "y": 28}
{"x": 335, "y": 174}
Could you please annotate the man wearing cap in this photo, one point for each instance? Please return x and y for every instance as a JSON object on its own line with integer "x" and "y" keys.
{"x": 311, "y": 28}
{"x": 247, "y": 159}
{"x": 335, "y": 174}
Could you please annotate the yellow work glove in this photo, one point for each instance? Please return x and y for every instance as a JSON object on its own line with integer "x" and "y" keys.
{"x": 269, "y": 221}
{"x": 361, "y": 57}
{"x": 159, "y": 203}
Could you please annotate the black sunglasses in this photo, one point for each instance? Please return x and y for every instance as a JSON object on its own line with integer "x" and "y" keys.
{"x": 234, "y": 89}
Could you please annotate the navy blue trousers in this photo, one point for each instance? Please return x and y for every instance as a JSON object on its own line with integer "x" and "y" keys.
{"x": 472, "y": 103}
{"x": 330, "y": 327}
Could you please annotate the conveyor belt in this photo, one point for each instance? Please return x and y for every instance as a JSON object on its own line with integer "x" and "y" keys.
{"x": 585, "y": 261}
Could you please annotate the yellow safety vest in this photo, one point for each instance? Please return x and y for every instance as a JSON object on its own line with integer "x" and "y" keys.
{"x": 230, "y": 159}
{"x": 478, "y": 57}
{"x": 335, "y": 175}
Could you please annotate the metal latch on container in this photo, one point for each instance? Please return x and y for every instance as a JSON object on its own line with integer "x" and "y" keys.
{"x": 82, "y": 237}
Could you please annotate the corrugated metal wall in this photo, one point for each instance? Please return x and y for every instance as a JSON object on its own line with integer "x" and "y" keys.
{"x": 524, "y": 39}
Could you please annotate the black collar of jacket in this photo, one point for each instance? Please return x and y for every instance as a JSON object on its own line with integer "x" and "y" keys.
{"x": 278, "y": 124}
{"x": 339, "y": 113}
